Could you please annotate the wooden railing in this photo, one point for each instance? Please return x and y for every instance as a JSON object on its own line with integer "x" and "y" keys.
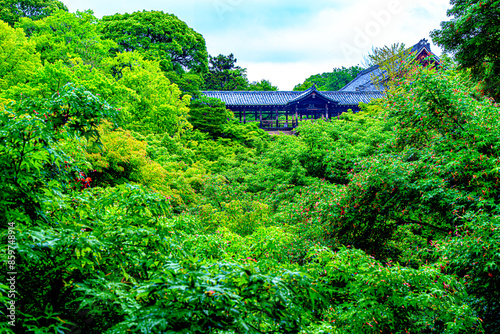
{"x": 281, "y": 123}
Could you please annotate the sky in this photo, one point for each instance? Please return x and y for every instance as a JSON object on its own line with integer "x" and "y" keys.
{"x": 286, "y": 41}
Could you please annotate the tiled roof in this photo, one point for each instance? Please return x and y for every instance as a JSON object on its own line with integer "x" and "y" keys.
{"x": 354, "y": 98}
{"x": 253, "y": 98}
{"x": 281, "y": 98}
{"x": 363, "y": 82}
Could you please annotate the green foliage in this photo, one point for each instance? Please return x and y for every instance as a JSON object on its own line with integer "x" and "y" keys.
{"x": 248, "y": 134}
{"x": 267, "y": 246}
{"x": 334, "y": 80}
{"x": 335, "y": 146}
{"x": 472, "y": 36}
{"x": 461, "y": 133}
{"x": 49, "y": 79}
{"x": 478, "y": 264}
{"x": 209, "y": 115}
{"x": 445, "y": 163}
{"x": 79, "y": 242}
{"x": 164, "y": 149}
{"x": 32, "y": 162}
{"x": 457, "y": 134}
{"x": 189, "y": 83}
{"x": 288, "y": 154}
{"x": 151, "y": 104}
{"x": 262, "y": 85}
{"x": 158, "y": 36}
{"x": 358, "y": 136}
{"x": 369, "y": 297}
{"x": 63, "y": 36}
{"x": 19, "y": 61}
{"x": 199, "y": 297}
{"x": 386, "y": 191}
{"x": 306, "y": 215}
{"x": 393, "y": 62}
{"x": 11, "y": 11}
{"x": 224, "y": 75}
{"x": 124, "y": 159}
{"x": 242, "y": 218}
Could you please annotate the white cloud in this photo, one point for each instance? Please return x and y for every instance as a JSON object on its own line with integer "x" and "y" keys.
{"x": 284, "y": 75}
{"x": 286, "y": 41}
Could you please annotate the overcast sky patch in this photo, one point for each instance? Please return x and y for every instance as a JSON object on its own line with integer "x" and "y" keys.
{"x": 286, "y": 41}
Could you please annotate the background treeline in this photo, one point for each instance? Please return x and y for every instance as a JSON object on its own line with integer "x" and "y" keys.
{"x": 334, "y": 80}
{"x": 137, "y": 209}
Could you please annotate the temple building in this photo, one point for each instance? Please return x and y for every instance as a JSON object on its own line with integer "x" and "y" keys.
{"x": 284, "y": 110}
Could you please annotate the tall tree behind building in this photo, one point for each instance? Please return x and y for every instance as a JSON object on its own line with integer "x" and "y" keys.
{"x": 224, "y": 74}
{"x": 164, "y": 37}
{"x": 330, "y": 81}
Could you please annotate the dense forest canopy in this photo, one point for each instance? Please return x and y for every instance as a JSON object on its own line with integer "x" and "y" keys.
{"x": 126, "y": 206}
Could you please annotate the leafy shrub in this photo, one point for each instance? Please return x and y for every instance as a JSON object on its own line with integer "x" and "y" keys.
{"x": 471, "y": 253}
{"x": 369, "y": 297}
{"x": 32, "y": 162}
{"x": 123, "y": 158}
{"x": 200, "y": 297}
{"x": 240, "y": 217}
{"x": 209, "y": 115}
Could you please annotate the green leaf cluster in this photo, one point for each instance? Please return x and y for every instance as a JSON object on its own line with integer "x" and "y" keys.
{"x": 330, "y": 81}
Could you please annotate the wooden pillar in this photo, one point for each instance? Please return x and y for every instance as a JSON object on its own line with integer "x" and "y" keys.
{"x": 277, "y": 121}
{"x": 326, "y": 107}
{"x": 244, "y": 117}
{"x": 260, "y": 116}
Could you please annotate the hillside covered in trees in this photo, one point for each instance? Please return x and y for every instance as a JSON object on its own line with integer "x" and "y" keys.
{"x": 126, "y": 206}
